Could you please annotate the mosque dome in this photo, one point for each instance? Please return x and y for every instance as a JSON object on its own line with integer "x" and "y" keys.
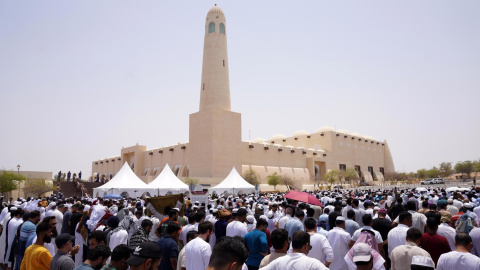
{"x": 278, "y": 137}
{"x": 300, "y": 133}
{"x": 258, "y": 140}
{"x": 215, "y": 11}
{"x": 325, "y": 129}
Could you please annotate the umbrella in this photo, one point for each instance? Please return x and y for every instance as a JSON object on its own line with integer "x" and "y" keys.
{"x": 112, "y": 196}
{"x": 303, "y": 197}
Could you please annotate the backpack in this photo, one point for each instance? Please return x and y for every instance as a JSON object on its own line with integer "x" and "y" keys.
{"x": 465, "y": 224}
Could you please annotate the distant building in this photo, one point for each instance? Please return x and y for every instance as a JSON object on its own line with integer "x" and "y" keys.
{"x": 215, "y": 144}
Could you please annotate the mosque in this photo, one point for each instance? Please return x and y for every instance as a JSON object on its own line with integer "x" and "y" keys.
{"x": 215, "y": 144}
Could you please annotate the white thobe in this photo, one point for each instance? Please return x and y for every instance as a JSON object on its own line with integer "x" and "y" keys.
{"x": 12, "y": 231}
{"x": 183, "y": 233}
{"x": 448, "y": 232}
{"x": 321, "y": 248}
{"x": 198, "y": 254}
{"x": 339, "y": 240}
{"x": 78, "y": 241}
{"x": 3, "y": 238}
{"x": 458, "y": 260}
{"x": 235, "y": 228}
{"x": 117, "y": 238}
{"x": 283, "y": 221}
{"x": 152, "y": 236}
{"x": 295, "y": 261}
{"x": 418, "y": 220}
{"x": 397, "y": 237}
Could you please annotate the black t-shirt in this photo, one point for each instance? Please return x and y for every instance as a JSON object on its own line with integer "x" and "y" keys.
{"x": 383, "y": 226}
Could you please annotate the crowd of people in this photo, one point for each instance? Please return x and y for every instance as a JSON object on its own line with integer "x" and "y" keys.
{"x": 346, "y": 229}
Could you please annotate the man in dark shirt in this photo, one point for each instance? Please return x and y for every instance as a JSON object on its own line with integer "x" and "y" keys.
{"x": 383, "y": 226}
{"x": 76, "y": 216}
{"x": 433, "y": 213}
{"x": 332, "y": 217}
{"x": 168, "y": 244}
{"x": 396, "y": 209}
{"x": 67, "y": 216}
{"x": 433, "y": 243}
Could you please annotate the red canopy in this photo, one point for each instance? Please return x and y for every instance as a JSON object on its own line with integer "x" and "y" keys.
{"x": 303, "y": 197}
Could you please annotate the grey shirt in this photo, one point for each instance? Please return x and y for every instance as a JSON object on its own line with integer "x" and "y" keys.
{"x": 62, "y": 261}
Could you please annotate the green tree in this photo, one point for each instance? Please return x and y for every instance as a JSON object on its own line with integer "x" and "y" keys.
{"x": 433, "y": 172}
{"x": 465, "y": 167}
{"x": 349, "y": 174}
{"x": 273, "y": 180}
{"x": 331, "y": 177}
{"x": 251, "y": 177}
{"x": 422, "y": 173}
{"x": 38, "y": 187}
{"x": 286, "y": 180}
{"x": 476, "y": 166}
{"x": 446, "y": 169}
{"x": 9, "y": 181}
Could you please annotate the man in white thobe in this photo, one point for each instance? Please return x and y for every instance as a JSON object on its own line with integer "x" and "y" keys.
{"x": 461, "y": 258}
{"x": 12, "y": 231}
{"x": 339, "y": 240}
{"x": 198, "y": 251}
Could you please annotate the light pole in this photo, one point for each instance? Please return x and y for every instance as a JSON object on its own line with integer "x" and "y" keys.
{"x": 18, "y": 168}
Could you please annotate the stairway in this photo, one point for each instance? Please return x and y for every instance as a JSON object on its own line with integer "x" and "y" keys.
{"x": 69, "y": 189}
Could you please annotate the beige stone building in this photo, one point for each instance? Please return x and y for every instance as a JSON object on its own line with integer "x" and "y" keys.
{"x": 215, "y": 144}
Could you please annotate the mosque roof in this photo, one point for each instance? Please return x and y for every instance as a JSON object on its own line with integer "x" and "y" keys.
{"x": 258, "y": 140}
{"x": 325, "y": 128}
{"x": 300, "y": 133}
{"x": 278, "y": 137}
{"x": 343, "y": 131}
{"x": 356, "y": 134}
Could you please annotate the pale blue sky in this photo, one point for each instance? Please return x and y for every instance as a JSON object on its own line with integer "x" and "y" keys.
{"x": 81, "y": 79}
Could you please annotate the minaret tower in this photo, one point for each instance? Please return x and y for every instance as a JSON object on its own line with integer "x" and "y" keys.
{"x": 215, "y": 86}
{"x": 215, "y": 131}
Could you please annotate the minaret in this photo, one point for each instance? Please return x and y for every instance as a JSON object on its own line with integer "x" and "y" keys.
{"x": 215, "y": 86}
{"x": 215, "y": 142}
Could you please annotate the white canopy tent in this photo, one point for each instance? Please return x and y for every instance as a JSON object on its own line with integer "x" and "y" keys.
{"x": 166, "y": 182}
{"x": 234, "y": 183}
{"x": 124, "y": 181}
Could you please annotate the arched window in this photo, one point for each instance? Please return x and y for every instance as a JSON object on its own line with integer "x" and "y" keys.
{"x": 211, "y": 27}
{"x": 222, "y": 28}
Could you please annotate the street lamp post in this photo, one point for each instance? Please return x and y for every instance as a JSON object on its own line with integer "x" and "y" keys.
{"x": 18, "y": 168}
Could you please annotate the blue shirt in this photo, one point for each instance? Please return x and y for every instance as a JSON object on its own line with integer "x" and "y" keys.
{"x": 256, "y": 242}
{"x": 169, "y": 250}
{"x": 293, "y": 225}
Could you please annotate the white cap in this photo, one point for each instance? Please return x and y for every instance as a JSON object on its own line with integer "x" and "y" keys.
{"x": 234, "y": 210}
{"x": 250, "y": 219}
{"x": 263, "y": 217}
{"x": 13, "y": 208}
{"x": 362, "y": 252}
{"x": 270, "y": 214}
{"x": 340, "y": 218}
{"x": 422, "y": 261}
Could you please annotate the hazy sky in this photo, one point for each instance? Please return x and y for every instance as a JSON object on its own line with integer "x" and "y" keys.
{"x": 81, "y": 79}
